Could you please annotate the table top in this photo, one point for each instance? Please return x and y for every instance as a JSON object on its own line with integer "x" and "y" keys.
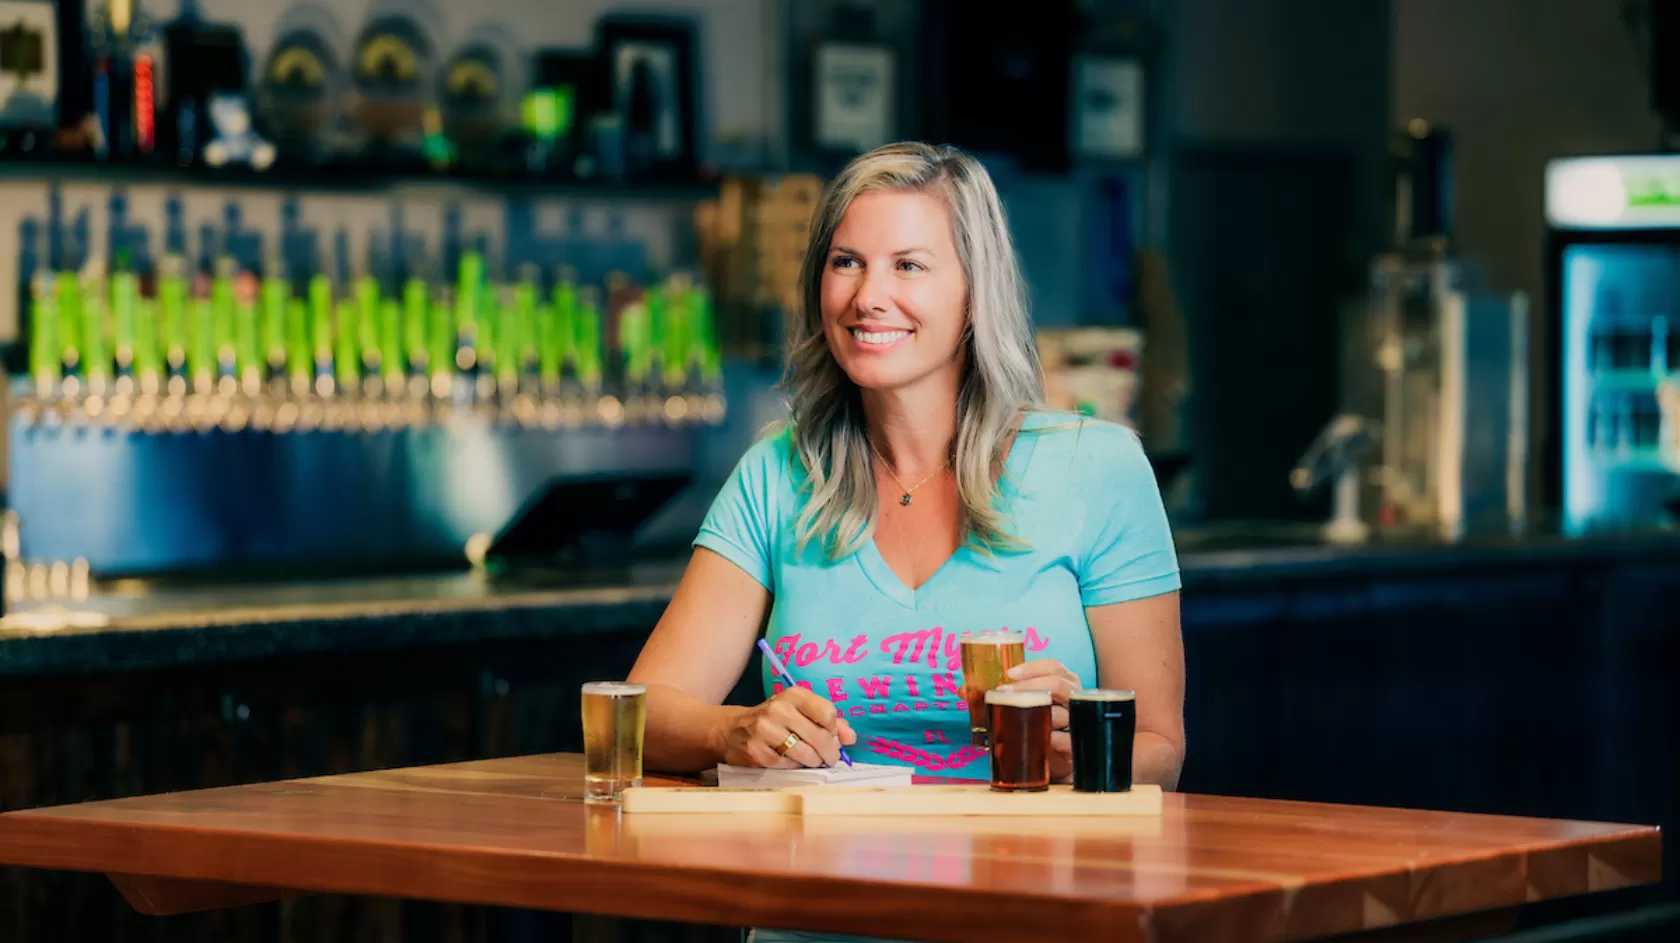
{"x": 514, "y": 832}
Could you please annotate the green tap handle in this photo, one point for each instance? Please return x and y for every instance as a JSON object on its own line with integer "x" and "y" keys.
{"x": 416, "y": 314}
{"x": 488, "y": 328}
{"x": 299, "y": 350}
{"x": 148, "y": 360}
{"x": 368, "y": 340}
{"x": 521, "y": 344}
{"x": 391, "y": 352}
{"x": 469, "y": 292}
{"x": 224, "y": 323}
{"x": 565, "y": 323}
{"x": 679, "y": 327}
{"x": 589, "y": 344}
{"x": 172, "y": 302}
{"x": 550, "y": 354}
{"x": 321, "y": 323}
{"x": 276, "y": 297}
{"x": 201, "y": 348}
{"x": 125, "y": 296}
{"x": 443, "y": 337}
{"x": 46, "y": 350}
{"x": 247, "y": 344}
{"x": 346, "y": 357}
{"x": 70, "y": 322}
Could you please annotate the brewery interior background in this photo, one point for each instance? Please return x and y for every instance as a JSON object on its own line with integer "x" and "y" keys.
{"x": 371, "y": 364}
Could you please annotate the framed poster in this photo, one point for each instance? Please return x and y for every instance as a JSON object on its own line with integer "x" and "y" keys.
{"x": 853, "y": 85}
{"x": 650, "y": 79}
{"x": 1108, "y": 108}
{"x": 29, "y": 59}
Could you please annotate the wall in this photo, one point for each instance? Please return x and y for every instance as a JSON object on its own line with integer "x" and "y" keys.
{"x": 1519, "y": 82}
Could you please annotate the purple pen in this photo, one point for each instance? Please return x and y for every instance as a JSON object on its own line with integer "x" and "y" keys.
{"x": 787, "y": 679}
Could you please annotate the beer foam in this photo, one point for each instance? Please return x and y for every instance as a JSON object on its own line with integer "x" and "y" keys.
{"x": 1019, "y": 698}
{"x": 995, "y": 637}
{"x": 615, "y": 688}
{"x": 1101, "y": 694}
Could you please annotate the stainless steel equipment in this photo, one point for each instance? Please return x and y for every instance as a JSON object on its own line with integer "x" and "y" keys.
{"x": 1442, "y": 363}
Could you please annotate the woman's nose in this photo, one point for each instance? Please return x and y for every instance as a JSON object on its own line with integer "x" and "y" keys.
{"x": 873, "y": 296}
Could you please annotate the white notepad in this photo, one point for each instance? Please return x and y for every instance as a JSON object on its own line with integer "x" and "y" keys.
{"x": 861, "y": 774}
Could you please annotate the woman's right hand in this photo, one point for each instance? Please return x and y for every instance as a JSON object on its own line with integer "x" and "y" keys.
{"x": 751, "y": 737}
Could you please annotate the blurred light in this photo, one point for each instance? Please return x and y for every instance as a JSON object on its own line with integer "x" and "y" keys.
{"x": 1585, "y": 193}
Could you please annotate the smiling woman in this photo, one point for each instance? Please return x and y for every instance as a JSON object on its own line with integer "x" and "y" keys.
{"x": 919, "y": 493}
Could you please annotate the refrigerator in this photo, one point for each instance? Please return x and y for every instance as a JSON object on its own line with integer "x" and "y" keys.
{"x": 1614, "y": 291}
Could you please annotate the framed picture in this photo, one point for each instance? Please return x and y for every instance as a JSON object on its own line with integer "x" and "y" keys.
{"x": 1108, "y": 108}
{"x": 854, "y": 91}
{"x": 29, "y": 59}
{"x": 650, "y": 76}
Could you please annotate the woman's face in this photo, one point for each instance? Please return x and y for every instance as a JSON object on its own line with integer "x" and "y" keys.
{"x": 894, "y": 299}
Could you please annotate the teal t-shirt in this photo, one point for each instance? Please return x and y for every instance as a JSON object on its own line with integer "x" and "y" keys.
{"x": 1079, "y": 491}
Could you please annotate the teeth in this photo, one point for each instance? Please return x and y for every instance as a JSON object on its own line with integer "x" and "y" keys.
{"x": 879, "y": 337}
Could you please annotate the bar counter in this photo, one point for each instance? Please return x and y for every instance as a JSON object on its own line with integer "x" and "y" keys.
{"x": 1523, "y": 677}
{"x": 134, "y": 625}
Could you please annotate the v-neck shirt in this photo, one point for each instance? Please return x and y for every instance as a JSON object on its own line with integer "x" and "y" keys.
{"x": 1078, "y": 492}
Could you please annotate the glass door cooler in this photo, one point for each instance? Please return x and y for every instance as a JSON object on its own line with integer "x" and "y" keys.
{"x": 1614, "y": 272}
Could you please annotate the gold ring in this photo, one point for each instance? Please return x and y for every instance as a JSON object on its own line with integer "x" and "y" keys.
{"x": 788, "y": 744}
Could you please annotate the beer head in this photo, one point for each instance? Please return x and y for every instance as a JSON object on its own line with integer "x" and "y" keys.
{"x": 614, "y": 688}
{"x": 1018, "y": 698}
{"x": 995, "y": 637}
{"x": 1102, "y": 694}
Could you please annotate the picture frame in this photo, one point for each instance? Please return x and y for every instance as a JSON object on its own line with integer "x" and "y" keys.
{"x": 1109, "y": 108}
{"x": 648, "y": 74}
{"x": 854, "y": 96}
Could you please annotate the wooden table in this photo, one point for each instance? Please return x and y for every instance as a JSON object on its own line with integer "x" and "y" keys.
{"x": 514, "y": 832}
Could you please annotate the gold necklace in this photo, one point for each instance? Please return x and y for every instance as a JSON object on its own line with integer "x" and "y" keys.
{"x": 904, "y": 500}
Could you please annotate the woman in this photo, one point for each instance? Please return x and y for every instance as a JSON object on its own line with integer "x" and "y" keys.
{"x": 919, "y": 492}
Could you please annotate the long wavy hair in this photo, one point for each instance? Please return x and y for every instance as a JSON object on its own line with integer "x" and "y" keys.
{"x": 1000, "y": 378}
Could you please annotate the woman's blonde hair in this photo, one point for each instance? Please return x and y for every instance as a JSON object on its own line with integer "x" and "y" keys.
{"x": 1000, "y": 378}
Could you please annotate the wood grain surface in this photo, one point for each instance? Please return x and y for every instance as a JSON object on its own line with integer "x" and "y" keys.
{"x": 514, "y": 832}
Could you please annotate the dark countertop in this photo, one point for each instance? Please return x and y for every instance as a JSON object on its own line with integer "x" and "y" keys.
{"x": 135, "y": 625}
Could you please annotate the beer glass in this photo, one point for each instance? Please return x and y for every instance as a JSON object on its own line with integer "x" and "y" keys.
{"x": 614, "y": 718}
{"x": 1101, "y": 725}
{"x": 986, "y": 660}
{"x": 1020, "y": 729}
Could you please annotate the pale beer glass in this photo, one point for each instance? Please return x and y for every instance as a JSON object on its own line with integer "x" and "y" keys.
{"x": 614, "y": 720}
{"x": 986, "y": 660}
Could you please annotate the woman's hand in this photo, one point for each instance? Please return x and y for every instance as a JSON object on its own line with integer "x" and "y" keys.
{"x": 752, "y": 737}
{"x": 1048, "y": 674}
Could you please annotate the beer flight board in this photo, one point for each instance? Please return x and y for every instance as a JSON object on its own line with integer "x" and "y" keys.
{"x": 925, "y": 800}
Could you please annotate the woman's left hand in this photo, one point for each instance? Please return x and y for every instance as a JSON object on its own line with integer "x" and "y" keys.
{"x": 1048, "y": 674}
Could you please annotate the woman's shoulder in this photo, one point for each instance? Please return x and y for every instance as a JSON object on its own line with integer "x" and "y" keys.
{"x": 1084, "y": 441}
{"x": 770, "y": 460}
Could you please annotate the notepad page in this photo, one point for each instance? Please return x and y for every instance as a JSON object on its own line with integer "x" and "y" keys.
{"x": 861, "y": 774}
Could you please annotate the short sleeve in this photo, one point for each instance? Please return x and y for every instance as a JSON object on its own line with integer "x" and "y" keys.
{"x": 1127, "y": 549}
{"x": 740, "y": 526}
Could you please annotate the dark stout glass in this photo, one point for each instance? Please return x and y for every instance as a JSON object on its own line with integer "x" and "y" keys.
{"x": 1020, "y": 731}
{"x": 1101, "y": 725}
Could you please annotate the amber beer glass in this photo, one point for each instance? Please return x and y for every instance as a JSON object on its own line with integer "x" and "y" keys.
{"x": 1020, "y": 728}
{"x": 1102, "y": 725}
{"x": 986, "y": 657}
{"x": 614, "y": 718}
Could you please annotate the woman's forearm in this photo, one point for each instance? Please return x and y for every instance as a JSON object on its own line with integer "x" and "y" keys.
{"x": 684, "y": 733}
{"x": 1155, "y": 759}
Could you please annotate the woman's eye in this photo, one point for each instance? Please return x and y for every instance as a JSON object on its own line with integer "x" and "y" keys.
{"x": 842, "y": 261}
{"x": 908, "y": 265}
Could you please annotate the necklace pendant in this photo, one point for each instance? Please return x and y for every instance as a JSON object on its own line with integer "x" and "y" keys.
{"x": 905, "y": 500}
